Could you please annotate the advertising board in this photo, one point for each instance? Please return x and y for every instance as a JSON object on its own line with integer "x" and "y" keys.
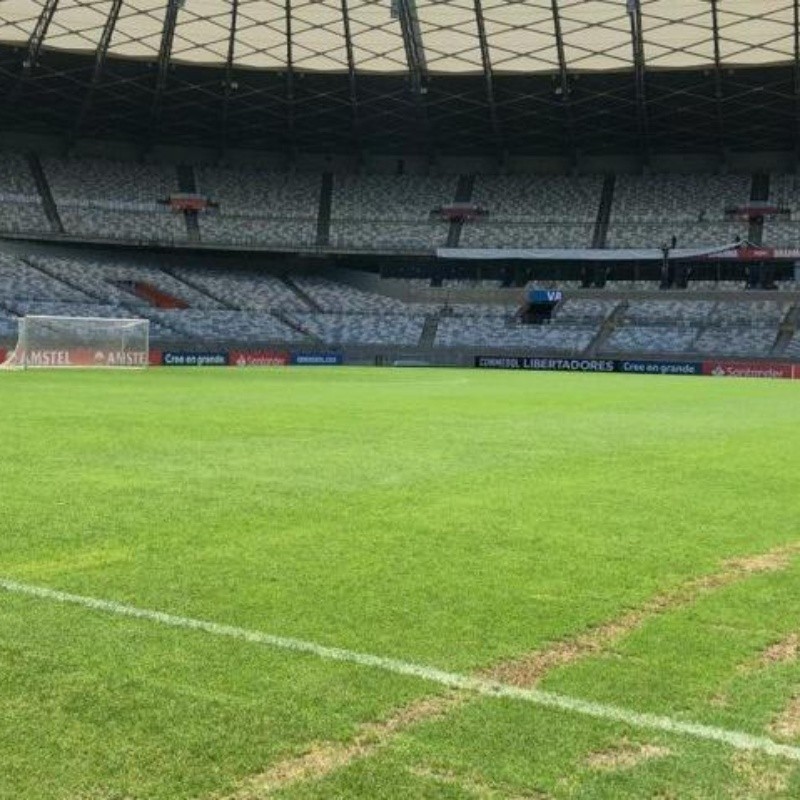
{"x": 85, "y": 357}
{"x": 545, "y": 364}
{"x": 747, "y": 369}
{"x": 317, "y": 359}
{"x": 660, "y": 367}
{"x": 258, "y": 358}
{"x": 171, "y": 358}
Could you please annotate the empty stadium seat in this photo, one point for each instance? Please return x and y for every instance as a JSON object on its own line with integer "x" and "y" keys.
{"x": 391, "y": 211}
{"x": 648, "y": 210}
{"x": 534, "y": 211}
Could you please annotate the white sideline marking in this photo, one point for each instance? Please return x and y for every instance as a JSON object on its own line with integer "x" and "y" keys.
{"x": 736, "y": 739}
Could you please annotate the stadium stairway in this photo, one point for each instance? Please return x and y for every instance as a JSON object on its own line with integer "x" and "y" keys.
{"x": 428, "y": 335}
{"x": 608, "y": 327}
{"x": 786, "y": 332}
{"x": 301, "y": 293}
{"x": 45, "y": 194}
{"x": 604, "y": 213}
{"x": 298, "y": 328}
{"x": 324, "y": 212}
{"x": 155, "y": 296}
{"x": 192, "y": 226}
{"x": 464, "y": 189}
{"x": 200, "y": 288}
{"x": 759, "y": 193}
{"x": 187, "y": 183}
{"x": 78, "y": 287}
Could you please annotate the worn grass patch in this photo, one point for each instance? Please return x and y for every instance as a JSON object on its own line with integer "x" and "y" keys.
{"x": 323, "y": 758}
{"x": 625, "y": 755}
{"x": 787, "y": 724}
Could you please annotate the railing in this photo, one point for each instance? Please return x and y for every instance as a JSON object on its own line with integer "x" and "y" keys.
{"x": 355, "y": 234}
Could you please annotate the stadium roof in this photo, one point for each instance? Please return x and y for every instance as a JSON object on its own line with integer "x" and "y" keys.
{"x": 520, "y": 36}
{"x": 374, "y": 69}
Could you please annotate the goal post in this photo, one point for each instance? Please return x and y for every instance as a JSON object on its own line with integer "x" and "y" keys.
{"x": 44, "y": 341}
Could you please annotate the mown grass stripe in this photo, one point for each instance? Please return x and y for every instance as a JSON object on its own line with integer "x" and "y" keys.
{"x": 736, "y": 739}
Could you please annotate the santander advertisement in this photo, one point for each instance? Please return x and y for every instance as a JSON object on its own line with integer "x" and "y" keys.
{"x": 749, "y": 369}
{"x": 257, "y": 358}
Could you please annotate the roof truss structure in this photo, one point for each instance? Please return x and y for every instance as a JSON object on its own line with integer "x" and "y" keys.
{"x": 99, "y": 63}
{"x": 550, "y": 77}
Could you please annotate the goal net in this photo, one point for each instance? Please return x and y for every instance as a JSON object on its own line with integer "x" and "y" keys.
{"x": 79, "y": 342}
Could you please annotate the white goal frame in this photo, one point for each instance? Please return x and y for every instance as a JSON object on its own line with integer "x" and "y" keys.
{"x": 81, "y": 353}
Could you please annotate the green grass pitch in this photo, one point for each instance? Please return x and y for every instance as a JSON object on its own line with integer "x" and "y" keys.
{"x": 455, "y": 519}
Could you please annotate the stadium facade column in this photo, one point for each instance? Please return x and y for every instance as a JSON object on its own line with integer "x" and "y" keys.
{"x": 351, "y": 75}
{"x": 101, "y": 53}
{"x": 639, "y": 63}
{"x": 291, "y": 144}
{"x": 230, "y": 85}
{"x": 718, "y": 90}
{"x": 31, "y": 57}
{"x": 164, "y": 56}
{"x": 417, "y": 67}
{"x": 488, "y": 74}
{"x": 566, "y": 91}
{"x": 796, "y": 81}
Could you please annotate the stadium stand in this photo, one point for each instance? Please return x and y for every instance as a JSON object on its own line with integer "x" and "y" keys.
{"x": 784, "y": 193}
{"x": 115, "y": 199}
{"x": 130, "y": 224}
{"x": 22, "y": 217}
{"x": 108, "y": 199}
{"x": 117, "y": 280}
{"x": 22, "y": 282}
{"x": 362, "y": 329}
{"x": 61, "y": 308}
{"x": 243, "y": 290}
{"x": 793, "y": 348}
{"x": 480, "y": 310}
{"x": 16, "y": 180}
{"x": 94, "y": 279}
{"x": 213, "y": 326}
{"x": 8, "y": 325}
{"x": 753, "y": 312}
{"x": 476, "y": 331}
{"x": 738, "y": 341}
{"x": 203, "y": 304}
{"x": 533, "y": 211}
{"x": 259, "y": 207}
{"x": 693, "y": 312}
{"x": 20, "y": 205}
{"x": 722, "y": 328}
{"x": 79, "y": 182}
{"x": 650, "y": 339}
{"x": 328, "y": 295}
{"x": 648, "y": 210}
{"x": 389, "y": 210}
{"x": 584, "y": 310}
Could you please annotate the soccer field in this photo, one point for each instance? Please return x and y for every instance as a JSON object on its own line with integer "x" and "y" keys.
{"x": 616, "y": 558}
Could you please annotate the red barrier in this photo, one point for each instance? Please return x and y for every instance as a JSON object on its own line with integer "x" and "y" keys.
{"x": 156, "y": 297}
{"x": 747, "y": 369}
{"x": 155, "y": 358}
{"x": 258, "y": 358}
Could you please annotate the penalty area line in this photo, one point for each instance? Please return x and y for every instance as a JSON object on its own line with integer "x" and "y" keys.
{"x": 537, "y": 697}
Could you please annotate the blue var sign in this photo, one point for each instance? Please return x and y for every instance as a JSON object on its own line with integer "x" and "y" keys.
{"x": 545, "y": 296}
